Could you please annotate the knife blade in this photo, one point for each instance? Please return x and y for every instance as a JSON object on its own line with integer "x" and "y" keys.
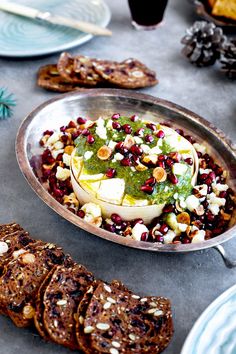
{"x": 47, "y": 16}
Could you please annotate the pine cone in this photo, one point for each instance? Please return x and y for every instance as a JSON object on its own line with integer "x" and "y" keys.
{"x": 203, "y": 43}
{"x": 229, "y": 60}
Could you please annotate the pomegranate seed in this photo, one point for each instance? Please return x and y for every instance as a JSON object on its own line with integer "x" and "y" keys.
{"x": 217, "y": 231}
{"x": 159, "y": 238}
{"x": 119, "y": 146}
{"x": 64, "y": 138}
{"x": 166, "y": 124}
{"x": 81, "y": 120}
{"x": 172, "y": 178}
{"x": 81, "y": 213}
{"x": 48, "y": 132}
{"x": 147, "y": 189}
{"x": 127, "y": 128}
{"x": 199, "y": 154}
{"x": 134, "y": 118}
{"x": 149, "y": 138}
{"x": 203, "y": 176}
{"x": 176, "y": 240}
{"x": 63, "y": 128}
{"x": 162, "y": 157}
{"x": 116, "y": 116}
{"x": 58, "y": 193}
{"x": 150, "y": 181}
{"x": 179, "y": 131}
{"x": 164, "y": 229}
{"x": 218, "y": 170}
{"x": 135, "y": 159}
{"x": 144, "y": 236}
{"x": 190, "y": 139}
{"x": 46, "y": 173}
{"x": 186, "y": 240}
{"x": 123, "y": 225}
{"x": 125, "y": 162}
{"x": 151, "y": 126}
{"x": 111, "y": 172}
{"x": 71, "y": 124}
{"x": 223, "y": 194}
{"x": 138, "y": 221}
{"x": 189, "y": 161}
{"x": 209, "y": 216}
{"x": 212, "y": 165}
{"x": 208, "y": 181}
{"x": 160, "y": 134}
{"x": 59, "y": 157}
{"x": 168, "y": 208}
{"x": 169, "y": 162}
{"x": 116, "y": 125}
{"x": 85, "y": 132}
{"x": 139, "y": 132}
{"x": 136, "y": 150}
{"x": 175, "y": 156}
{"x": 75, "y": 135}
{"x": 161, "y": 164}
{"x": 116, "y": 219}
{"x": 72, "y": 210}
{"x": 90, "y": 139}
{"x": 109, "y": 227}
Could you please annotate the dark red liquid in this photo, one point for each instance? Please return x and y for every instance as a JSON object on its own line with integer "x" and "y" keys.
{"x": 147, "y": 12}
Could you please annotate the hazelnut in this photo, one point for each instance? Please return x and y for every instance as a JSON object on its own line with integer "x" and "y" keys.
{"x": 28, "y": 258}
{"x": 104, "y": 152}
{"x": 160, "y": 174}
{"x": 68, "y": 149}
{"x": 183, "y": 218}
{"x": 28, "y": 312}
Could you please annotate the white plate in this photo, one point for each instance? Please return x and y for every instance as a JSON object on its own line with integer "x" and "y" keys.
{"x": 215, "y": 330}
{"x": 23, "y": 37}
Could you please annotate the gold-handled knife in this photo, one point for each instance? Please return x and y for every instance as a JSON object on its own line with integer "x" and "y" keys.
{"x": 54, "y": 19}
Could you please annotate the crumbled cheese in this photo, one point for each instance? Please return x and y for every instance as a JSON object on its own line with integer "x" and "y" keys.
{"x": 118, "y": 156}
{"x": 88, "y": 155}
{"x": 218, "y": 187}
{"x": 206, "y": 170}
{"x": 109, "y": 124}
{"x": 101, "y": 129}
{"x": 111, "y": 190}
{"x": 169, "y": 236}
{"x": 55, "y": 153}
{"x": 146, "y": 149}
{"x": 176, "y": 196}
{"x": 179, "y": 169}
{"x": 156, "y": 150}
{"x": 53, "y": 138}
{"x": 66, "y": 159}
{"x": 62, "y": 173}
{"x": 192, "y": 202}
{"x": 166, "y": 189}
{"x": 199, "y": 236}
{"x": 200, "y": 148}
{"x": 92, "y": 211}
{"x": 58, "y": 145}
{"x": 138, "y": 140}
{"x": 112, "y": 144}
{"x": 213, "y": 199}
{"x": 182, "y": 227}
{"x": 202, "y": 190}
{"x": 214, "y": 208}
{"x": 137, "y": 231}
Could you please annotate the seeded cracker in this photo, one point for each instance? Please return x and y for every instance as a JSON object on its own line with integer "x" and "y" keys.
{"x": 61, "y": 299}
{"x": 22, "y": 278}
{"x": 128, "y": 74}
{"x": 49, "y": 79}
{"x": 129, "y": 325}
{"x": 78, "y": 70}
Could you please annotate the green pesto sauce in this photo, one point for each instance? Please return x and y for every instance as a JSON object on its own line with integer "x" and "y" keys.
{"x": 133, "y": 179}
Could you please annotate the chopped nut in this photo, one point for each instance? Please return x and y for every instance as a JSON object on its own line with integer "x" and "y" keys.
{"x": 183, "y": 218}
{"x": 129, "y": 141}
{"x": 150, "y": 159}
{"x": 114, "y": 351}
{"x": 69, "y": 149}
{"x": 81, "y": 319}
{"x": 115, "y": 344}
{"x": 3, "y": 247}
{"x": 200, "y": 210}
{"x": 132, "y": 336}
{"x": 158, "y": 313}
{"x": 152, "y": 310}
{"x": 107, "y": 288}
{"x": 226, "y": 216}
{"x": 160, "y": 174}
{"x": 18, "y": 252}
{"x": 107, "y": 305}
{"x": 104, "y": 152}
{"x": 28, "y": 312}
{"x": 103, "y": 326}
{"x": 140, "y": 167}
{"x": 135, "y": 297}
{"x": 28, "y": 258}
{"x": 96, "y": 221}
{"x": 112, "y": 301}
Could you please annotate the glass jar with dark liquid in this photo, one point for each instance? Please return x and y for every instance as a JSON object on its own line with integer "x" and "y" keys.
{"x": 147, "y": 14}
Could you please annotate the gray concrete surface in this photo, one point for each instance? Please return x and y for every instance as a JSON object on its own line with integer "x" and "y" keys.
{"x": 191, "y": 281}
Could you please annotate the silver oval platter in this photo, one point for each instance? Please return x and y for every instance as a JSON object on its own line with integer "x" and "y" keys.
{"x": 104, "y": 102}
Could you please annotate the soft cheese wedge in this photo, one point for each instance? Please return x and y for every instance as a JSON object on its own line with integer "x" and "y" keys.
{"x": 131, "y": 182}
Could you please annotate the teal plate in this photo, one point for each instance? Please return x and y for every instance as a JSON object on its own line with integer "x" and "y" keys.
{"x": 23, "y": 37}
{"x": 215, "y": 330}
